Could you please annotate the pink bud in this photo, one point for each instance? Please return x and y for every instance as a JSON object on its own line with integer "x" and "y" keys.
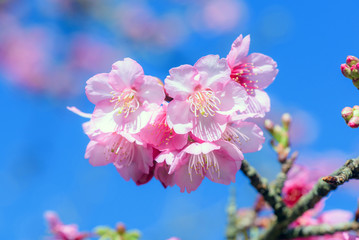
{"x": 351, "y": 60}
{"x": 347, "y": 113}
{"x": 345, "y": 70}
{"x": 354, "y": 122}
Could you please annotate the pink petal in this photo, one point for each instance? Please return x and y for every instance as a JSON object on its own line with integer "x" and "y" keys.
{"x": 124, "y": 74}
{"x": 140, "y": 164}
{"x": 250, "y": 138}
{"x": 264, "y": 71}
{"x": 180, "y": 84}
{"x": 79, "y": 112}
{"x": 214, "y": 72}
{"x": 179, "y": 116}
{"x": 105, "y": 117}
{"x": 199, "y": 148}
{"x": 254, "y": 105}
{"x": 209, "y": 128}
{"x": 97, "y": 154}
{"x": 98, "y": 88}
{"x": 184, "y": 181}
{"x": 232, "y": 98}
{"x": 239, "y": 51}
{"x": 161, "y": 173}
{"x": 135, "y": 121}
{"x": 151, "y": 91}
{"x": 232, "y": 151}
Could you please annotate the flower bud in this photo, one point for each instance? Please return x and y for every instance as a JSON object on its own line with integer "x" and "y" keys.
{"x": 351, "y": 60}
{"x": 120, "y": 228}
{"x": 269, "y": 125}
{"x": 347, "y": 113}
{"x": 354, "y": 122}
{"x": 345, "y": 70}
{"x": 286, "y": 120}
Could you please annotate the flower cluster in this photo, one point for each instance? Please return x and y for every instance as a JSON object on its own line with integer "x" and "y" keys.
{"x": 191, "y": 127}
{"x": 351, "y": 116}
{"x": 350, "y": 69}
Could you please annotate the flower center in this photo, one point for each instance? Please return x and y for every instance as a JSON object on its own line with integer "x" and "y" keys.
{"x": 120, "y": 151}
{"x": 126, "y": 102}
{"x": 241, "y": 74}
{"x": 204, "y": 102}
{"x": 161, "y": 132}
{"x": 202, "y": 164}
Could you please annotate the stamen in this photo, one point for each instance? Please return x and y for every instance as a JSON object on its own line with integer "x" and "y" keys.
{"x": 120, "y": 151}
{"x": 204, "y": 102}
{"x": 232, "y": 134}
{"x": 126, "y": 102}
{"x": 203, "y": 163}
{"x": 241, "y": 74}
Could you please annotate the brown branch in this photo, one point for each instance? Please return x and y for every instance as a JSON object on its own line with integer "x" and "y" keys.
{"x": 308, "y": 201}
{"x": 349, "y": 171}
{"x": 324, "y": 229}
{"x": 261, "y": 184}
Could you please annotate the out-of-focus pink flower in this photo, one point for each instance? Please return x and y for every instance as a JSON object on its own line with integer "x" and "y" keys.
{"x": 203, "y": 98}
{"x": 132, "y": 158}
{"x": 348, "y": 236}
{"x": 124, "y": 98}
{"x": 300, "y": 181}
{"x": 159, "y": 134}
{"x": 331, "y": 217}
{"x": 254, "y": 72}
{"x": 173, "y": 238}
{"x": 218, "y": 161}
{"x": 61, "y": 231}
{"x": 89, "y": 54}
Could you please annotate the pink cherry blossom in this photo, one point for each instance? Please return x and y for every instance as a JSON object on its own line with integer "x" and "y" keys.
{"x": 348, "y": 236}
{"x": 61, "y": 231}
{"x": 203, "y": 98}
{"x": 163, "y": 164}
{"x": 218, "y": 161}
{"x": 247, "y": 136}
{"x": 132, "y": 158}
{"x": 159, "y": 134}
{"x": 254, "y": 72}
{"x": 300, "y": 181}
{"x": 124, "y": 98}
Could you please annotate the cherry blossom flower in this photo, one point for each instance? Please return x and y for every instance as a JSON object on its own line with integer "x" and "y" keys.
{"x": 159, "y": 134}
{"x": 61, "y": 231}
{"x": 300, "y": 181}
{"x": 203, "y": 98}
{"x": 254, "y": 72}
{"x": 218, "y": 161}
{"x": 124, "y": 98}
{"x": 163, "y": 164}
{"x": 348, "y": 236}
{"x": 132, "y": 158}
{"x": 247, "y": 136}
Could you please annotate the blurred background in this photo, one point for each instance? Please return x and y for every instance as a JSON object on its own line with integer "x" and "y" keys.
{"x": 49, "y": 48}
